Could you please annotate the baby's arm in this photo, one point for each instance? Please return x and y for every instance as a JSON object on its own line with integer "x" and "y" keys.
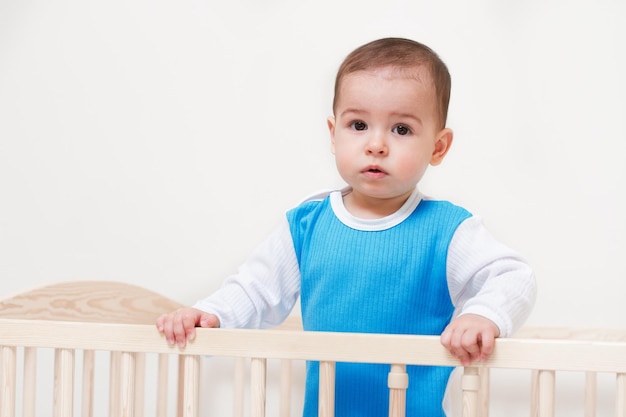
{"x": 180, "y": 326}
{"x": 470, "y": 338}
{"x": 492, "y": 288}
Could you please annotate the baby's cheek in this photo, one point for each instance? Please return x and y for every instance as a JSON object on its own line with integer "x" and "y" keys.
{"x": 410, "y": 167}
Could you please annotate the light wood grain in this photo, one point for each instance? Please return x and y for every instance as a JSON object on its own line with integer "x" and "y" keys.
{"x": 191, "y": 387}
{"x": 88, "y": 301}
{"x": 326, "y": 403}
{"x": 258, "y": 386}
{"x": 8, "y": 364}
{"x": 398, "y": 382}
{"x": 285, "y": 387}
{"x": 470, "y": 385}
{"x": 63, "y": 382}
{"x": 30, "y": 369}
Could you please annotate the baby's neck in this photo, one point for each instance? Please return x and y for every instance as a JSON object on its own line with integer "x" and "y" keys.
{"x": 365, "y": 207}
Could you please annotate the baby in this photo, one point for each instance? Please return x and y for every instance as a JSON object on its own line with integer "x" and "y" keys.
{"x": 378, "y": 256}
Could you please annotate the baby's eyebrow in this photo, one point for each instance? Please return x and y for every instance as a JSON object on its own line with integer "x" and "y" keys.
{"x": 354, "y": 111}
{"x": 408, "y": 116}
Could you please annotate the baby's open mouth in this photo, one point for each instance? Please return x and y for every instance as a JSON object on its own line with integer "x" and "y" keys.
{"x": 374, "y": 170}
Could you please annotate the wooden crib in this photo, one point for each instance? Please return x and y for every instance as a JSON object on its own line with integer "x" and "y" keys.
{"x": 83, "y": 322}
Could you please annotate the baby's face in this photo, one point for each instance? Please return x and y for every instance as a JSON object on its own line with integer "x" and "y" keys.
{"x": 385, "y": 132}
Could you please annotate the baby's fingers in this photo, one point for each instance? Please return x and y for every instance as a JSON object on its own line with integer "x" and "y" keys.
{"x": 470, "y": 337}
{"x": 462, "y": 344}
{"x": 165, "y": 325}
{"x": 160, "y": 323}
{"x": 467, "y": 349}
{"x": 184, "y": 328}
{"x": 178, "y": 327}
{"x": 487, "y": 342}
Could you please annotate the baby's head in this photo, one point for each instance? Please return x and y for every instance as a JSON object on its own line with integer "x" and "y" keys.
{"x": 402, "y": 54}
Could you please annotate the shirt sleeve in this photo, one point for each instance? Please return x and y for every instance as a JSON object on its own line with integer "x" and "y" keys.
{"x": 265, "y": 288}
{"x": 489, "y": 279}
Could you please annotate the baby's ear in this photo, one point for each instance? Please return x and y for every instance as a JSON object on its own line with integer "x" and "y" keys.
{"x": 331, "y": 129}
{"x": 442, "y": 146}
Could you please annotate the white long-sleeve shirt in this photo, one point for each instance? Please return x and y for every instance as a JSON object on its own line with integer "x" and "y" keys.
{"x": 484, "y": 276}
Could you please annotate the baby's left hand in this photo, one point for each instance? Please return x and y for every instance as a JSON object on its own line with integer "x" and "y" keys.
{"x": 470, "y": 337}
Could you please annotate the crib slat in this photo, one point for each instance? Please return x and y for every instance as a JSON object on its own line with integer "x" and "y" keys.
{"x": 180, "y": 403}
{"x": 258, "y": 372}
{"x": 484, "y": 392}
{"x": 398, "y": 382}
{"x": 140, "y": 382}
{"x": 126, "y": 384}
{"x": 238, "y": 387}
{"x": 326, "y": 407}
{"x": 546, "y": 391}
{"x": 285, "y": 388}
{"x": 470, "y": 384}
{"x": 191, "y": 385}
{"x": 591, "y": 388}
{"x": 534, "y": 393}
{"x": 114, "y": 375}
{"x": 63, "y": 382}
{"x": 620, "y": 395}
{"x": 30, "y": 376}
{"x": 88, "y": 383}
{"x": 8, "y": 358}
{"x": 162, "y": 386}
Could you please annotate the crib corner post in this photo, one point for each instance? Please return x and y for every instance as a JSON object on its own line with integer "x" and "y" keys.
{"x": 398, "y": 382}
{"x": 470, "y": 384}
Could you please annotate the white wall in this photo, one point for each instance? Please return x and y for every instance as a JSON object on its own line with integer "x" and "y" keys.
{"x": 157, "y": 142}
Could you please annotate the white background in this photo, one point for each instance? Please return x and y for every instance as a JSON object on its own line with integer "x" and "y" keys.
{"x": 158, "y": 142}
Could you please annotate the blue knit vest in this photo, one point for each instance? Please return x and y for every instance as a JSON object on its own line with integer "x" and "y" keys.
{"x": 389, "y": 281}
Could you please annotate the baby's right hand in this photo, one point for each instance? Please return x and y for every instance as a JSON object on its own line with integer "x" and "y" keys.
{"x": 180, "y": 326}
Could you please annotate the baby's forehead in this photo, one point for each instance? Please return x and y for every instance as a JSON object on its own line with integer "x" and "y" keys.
{"x": 419, "y": 73}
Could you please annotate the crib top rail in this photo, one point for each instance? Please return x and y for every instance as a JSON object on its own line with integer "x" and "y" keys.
{"x": 571, "y": 355}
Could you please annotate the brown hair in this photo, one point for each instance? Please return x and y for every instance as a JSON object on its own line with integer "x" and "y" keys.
{"x": 400, "y": 53}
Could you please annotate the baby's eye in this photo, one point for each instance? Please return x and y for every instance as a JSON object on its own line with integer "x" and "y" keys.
{"x": 358, "y": 125}
{"x": 401, "y": 130}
